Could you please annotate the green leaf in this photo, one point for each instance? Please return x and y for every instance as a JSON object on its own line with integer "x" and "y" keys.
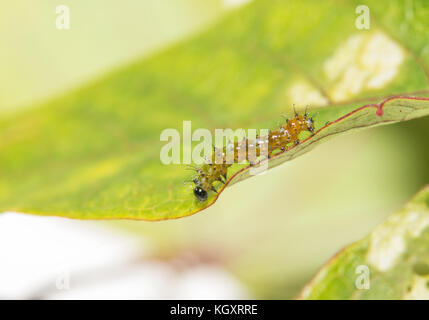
{"x": 94, "y": 153}
{"x": 390, "y": 110}
{"x": 395, "y": 256}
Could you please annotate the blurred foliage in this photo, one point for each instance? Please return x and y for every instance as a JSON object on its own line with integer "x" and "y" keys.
{"x": 95, "y": 152}
{"x": 392, "y": 262}
{"x": 38, "y": 61}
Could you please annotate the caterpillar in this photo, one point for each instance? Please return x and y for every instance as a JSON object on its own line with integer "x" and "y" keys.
{"x": 212, "y": 172}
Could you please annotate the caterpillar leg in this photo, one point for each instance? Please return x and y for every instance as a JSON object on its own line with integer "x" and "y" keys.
{"x": 221, "y": 180}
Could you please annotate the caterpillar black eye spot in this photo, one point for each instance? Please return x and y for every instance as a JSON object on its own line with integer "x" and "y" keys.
{"x": 200, "y": 193}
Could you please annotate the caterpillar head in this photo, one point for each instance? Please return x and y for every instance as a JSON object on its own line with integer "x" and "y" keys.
{"x": 200, "y": 193}
{"x": 309, "y": 123}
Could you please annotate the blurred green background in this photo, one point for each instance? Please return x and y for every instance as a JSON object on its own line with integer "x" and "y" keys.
{"x": 301, "y": 213}
{"x": 38, "y": 61}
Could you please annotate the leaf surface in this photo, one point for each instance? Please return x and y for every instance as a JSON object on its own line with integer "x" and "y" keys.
{"x": 391, "y": 263}
{"x": 94, "y": 153}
